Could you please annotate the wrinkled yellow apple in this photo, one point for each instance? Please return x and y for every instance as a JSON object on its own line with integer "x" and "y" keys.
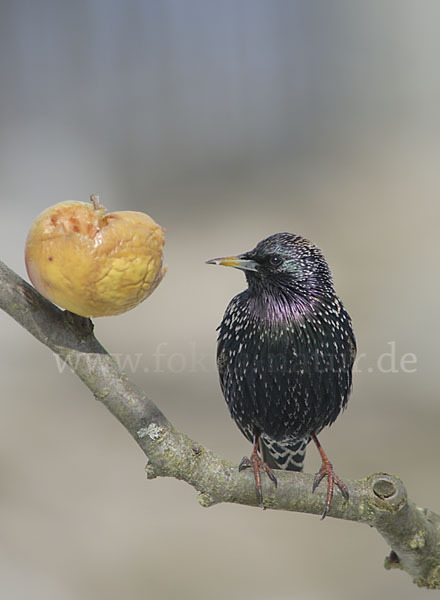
{"x": 94, "y": 263}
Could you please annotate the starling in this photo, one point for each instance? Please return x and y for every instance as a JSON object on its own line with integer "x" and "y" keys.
{"x": 285, "y": 355}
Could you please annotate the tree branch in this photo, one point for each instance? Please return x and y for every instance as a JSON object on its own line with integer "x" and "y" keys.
{"x": 378, "y": 500}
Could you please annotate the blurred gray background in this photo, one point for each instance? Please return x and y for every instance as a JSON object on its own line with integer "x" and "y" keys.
{"x": 226, "y": 122}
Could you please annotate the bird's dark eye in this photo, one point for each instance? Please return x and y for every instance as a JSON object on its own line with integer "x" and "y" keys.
{"x": 275, "y": 261}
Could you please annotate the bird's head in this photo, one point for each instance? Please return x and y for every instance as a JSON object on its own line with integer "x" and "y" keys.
{"x": 285, "y": 261}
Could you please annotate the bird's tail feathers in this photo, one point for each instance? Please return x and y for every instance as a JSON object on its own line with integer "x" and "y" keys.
{"x": 288, "y": 456}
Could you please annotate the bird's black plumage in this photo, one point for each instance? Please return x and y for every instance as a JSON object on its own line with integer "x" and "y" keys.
{"x": 285, "y": 348}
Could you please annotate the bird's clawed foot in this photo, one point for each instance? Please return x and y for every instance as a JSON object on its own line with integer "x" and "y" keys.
{"x": 326, "y": 470}
{"x": 257, "y": 464}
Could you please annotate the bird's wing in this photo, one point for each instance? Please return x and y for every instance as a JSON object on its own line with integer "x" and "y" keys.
{"x": 353, "y": 348}
{"x": 221, "y": 364}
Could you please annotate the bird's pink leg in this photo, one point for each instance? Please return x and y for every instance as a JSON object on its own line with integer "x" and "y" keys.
{"x": 256, "y": 463}
{"x": 326, "y": 470}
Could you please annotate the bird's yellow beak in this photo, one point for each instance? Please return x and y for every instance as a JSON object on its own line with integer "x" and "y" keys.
{"x": 239, "y": 262}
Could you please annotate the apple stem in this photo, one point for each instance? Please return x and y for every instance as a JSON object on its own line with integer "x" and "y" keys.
{"x": 94, "y": 198}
